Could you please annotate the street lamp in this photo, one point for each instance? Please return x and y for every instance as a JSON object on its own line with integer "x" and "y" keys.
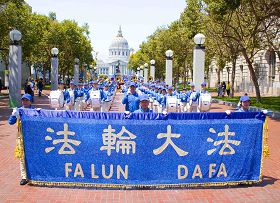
{"x": 168, "y": 68}
{"x": 146, "y": 73}
{"x": 85, "y": 71}
{"x": 15, "y": 60}
{"x": 152, "y": 69}
{"x": 198, "y": 59}
{"x": 54, "y": 69}
{"x": 76, "y": 70}
{"x": 141, "y": 70}
{"x": 138, "y": 71}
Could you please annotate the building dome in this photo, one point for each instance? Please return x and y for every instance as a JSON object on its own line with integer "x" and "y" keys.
{"x": 119, "y": 42}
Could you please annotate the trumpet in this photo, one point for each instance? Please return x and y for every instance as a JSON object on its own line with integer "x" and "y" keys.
{"x": 150, "y": 78}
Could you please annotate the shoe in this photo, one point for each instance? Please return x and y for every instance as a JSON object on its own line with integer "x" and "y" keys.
{"x": 23, "y": 182}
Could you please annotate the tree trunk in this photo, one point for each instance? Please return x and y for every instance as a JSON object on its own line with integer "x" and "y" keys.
{"x": 232, "y": 77}
{"x": 219, "y": 76}
{"x": 253, "y": 75}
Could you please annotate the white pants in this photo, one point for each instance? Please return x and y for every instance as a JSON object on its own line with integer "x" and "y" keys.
{"x": 192, "y": 108}
{"x": 183, "y": 106}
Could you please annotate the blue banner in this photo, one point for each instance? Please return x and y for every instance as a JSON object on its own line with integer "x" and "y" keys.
{"x": 117, "y": 149}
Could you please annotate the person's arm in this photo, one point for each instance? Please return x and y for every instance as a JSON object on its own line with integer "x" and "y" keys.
{"x": 13, "y": 118}
{"x": 125, "y": 99}
{"x": 103, "y": 96}
{"x": 67, "y": 97}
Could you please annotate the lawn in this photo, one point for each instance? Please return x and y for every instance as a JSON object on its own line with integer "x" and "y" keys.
{"x": 272, "y": 103}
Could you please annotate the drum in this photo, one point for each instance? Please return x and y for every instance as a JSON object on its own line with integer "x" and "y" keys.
{"x": 204, "y": 102}
{"x": 95, "y": 98}
{"x": 171, "y": 104}
{"x": 56, "y": 99}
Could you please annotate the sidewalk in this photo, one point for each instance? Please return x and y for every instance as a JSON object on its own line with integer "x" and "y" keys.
{"x": 11, "y": 191}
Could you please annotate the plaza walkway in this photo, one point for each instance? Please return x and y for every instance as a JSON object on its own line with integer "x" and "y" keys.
{"x": 11, "y": 191}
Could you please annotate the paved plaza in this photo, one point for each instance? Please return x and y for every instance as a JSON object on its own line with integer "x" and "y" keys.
{"x": 11, "y": 191}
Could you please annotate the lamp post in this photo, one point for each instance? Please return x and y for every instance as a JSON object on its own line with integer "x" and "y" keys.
{"x": 138, "y": 72}
{"x": 146, "y": 73}
{"x": 95, "y": 72}
{"x": 141, "y": 70}
{"x": 85, "y": 71}
{"x": 15, "y": 60}
{"x": 152, "y": 69}
{"x": 168, "y": 68}
{"x": 90, "y": 68}
{"x": 54, "y": 69}
{"x": 198, "y": 59}
{"x": 76, "y": 70}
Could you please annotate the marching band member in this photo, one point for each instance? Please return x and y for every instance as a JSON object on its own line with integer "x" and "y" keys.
{"x": 26, "y": 104}
{"x": 162, "y": 101}
{"x": 193, "y": 99}
{"x": 66, "y": 94}
{"x": 204, "y": 99}
{"x": 170, "y": 92}
{"x": 96, "y": 96}
{"x": 131, "y": 99}
{"x": 144, "y": 105}
{"x": 71, "y": 91}
{"x": 184, "y": 98}
{"x": 79, "y": 94}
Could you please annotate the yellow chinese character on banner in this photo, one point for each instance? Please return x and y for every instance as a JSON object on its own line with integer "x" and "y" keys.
{"x": 226, "y": 142}
{"x": 109, "y": 139}
{"x": 66, "y": 148}
{"x": 124, "y": 143}
{"x": 168, "y": 141}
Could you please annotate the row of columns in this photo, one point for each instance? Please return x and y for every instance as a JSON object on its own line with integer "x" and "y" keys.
{"x": 15, "y": 61}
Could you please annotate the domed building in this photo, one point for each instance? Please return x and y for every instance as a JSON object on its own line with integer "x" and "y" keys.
{"x": 119, "y": 53}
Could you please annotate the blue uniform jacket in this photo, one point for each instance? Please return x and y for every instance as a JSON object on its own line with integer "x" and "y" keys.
{"x": 131, "y": 102}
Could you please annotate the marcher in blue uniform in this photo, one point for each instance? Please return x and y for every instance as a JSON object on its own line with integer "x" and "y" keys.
{"x": 245, "y": 104}
{"x": 162, "y": 101}
{"x": 184, "y": 98}
{"x": 65, "y": 92}
{"x": 131, "y": 99}
{"x": 26, "y": 104}
{"x": 192, "y": 100}
{"x": 170, "y": 91}
{"x": 144, "y": 105}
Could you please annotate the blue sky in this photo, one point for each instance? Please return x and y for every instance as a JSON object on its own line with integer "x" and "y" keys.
{"x": 138, "y": 19}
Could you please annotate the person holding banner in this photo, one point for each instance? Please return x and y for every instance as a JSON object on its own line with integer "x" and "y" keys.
{"x": 131, "y": 99}
{"x": 144, "y": 105}
{"x": 26, "y": 101}
{"x": 245, "y": 104}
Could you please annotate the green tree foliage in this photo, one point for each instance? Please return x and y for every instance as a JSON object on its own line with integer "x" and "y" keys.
{"x": 231, "y": 27}
{"x": 41, "y": 33}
